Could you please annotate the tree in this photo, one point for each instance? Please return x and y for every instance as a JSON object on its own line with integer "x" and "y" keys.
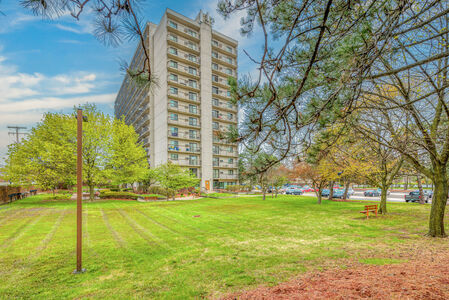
{"x": 324, "y": 52}
{"x": 173, "y": 178}
{"x": 127, "y": 159}
{"x": 311, "y": 173}
{"x": 149, "y": 178}
{"x": 47, "y": 156}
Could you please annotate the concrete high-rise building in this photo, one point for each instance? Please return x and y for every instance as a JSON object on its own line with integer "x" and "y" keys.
{"x": 181, "y": 117}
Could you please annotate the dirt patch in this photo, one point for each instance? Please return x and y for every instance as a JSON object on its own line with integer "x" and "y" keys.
{"x": 424, "y": 277}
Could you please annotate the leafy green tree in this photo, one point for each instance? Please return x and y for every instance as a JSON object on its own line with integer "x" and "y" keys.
{"x": 277, "y": 177}
{"x": 128, "y": 160}
{"x": 44, "y": 158}
{"x": 173, "y": 178}
{"x": 149, "y": 178}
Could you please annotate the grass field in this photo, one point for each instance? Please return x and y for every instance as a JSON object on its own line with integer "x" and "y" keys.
{"x": 160, "y": 250}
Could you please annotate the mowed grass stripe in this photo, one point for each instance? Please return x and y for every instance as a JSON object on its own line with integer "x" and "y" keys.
{"x": 117, "y": 237}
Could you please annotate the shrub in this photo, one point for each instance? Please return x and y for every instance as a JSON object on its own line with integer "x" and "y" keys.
{"x": 115, "y": 189}
{"x": 118, "y": 195}
{"x": 157, "y": 190}
{"x": 153, "y": 196}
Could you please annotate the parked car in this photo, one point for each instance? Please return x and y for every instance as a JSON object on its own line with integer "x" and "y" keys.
{"x": 415, "y": 197}
{"x": 372, "y": 193}
{"x": 291, "y": 191}
{"x": 429, "y": 193}
{"x": 338, "y": 194}
{"x": 325, "y": 193}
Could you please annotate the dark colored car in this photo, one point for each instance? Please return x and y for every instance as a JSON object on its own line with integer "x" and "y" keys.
{"x": 291, "y": 191}
{"x": 371, "y": 193}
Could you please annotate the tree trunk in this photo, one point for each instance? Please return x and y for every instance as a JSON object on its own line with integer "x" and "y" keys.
{"x": 439, "y": 200}
{"x": 331, "y": 190}
{"x": 406, "y": 183}
{"x": 383, "y": 199}
{"x": 421, "y": 192}
{"x": 345, "y": 195}
{"x": 91, "y": 192}
{"x": 319, "y": 194}
{"x": 263, "y": 193}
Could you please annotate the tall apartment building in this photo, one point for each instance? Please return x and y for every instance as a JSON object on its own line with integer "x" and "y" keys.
{"x": 181, "y": 118}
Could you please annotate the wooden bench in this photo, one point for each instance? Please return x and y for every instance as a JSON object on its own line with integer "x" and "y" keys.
{"x": 368, "y": 209}
{"x": 33, "y": 192}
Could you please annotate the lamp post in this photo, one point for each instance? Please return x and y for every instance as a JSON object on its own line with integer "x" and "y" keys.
{"x": 79, "y": 191}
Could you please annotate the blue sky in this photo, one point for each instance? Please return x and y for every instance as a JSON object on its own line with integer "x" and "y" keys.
{"x": 53, "y": 65}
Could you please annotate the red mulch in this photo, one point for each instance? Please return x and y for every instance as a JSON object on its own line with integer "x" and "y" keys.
{"x": 423, "y": 278}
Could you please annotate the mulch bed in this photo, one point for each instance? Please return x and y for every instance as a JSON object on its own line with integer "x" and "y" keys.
{"x": 425, "y": 277}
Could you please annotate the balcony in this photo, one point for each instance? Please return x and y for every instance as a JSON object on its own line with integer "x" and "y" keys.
{"x": 184, "y": 44}
{"x": 184, "y": 96}
{"x": 225, "y": 165}
{"x": 225, "y": 105}
{"x": 184, "y": 57}
{"x": 221, "y": 59}
{"x": 185, "y": 135}
{"x": 184, "y": 122}
{"x": 223, "y": 49}
{"x": 184, "y": 83}
{"x": 185, "y": 110}
{"x": 183, "y": 69}
{"x": 184, "y": 31}
{"x": 184, "y": 149}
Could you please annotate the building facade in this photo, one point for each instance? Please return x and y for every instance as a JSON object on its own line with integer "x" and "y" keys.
{"x": 182, "y": 117}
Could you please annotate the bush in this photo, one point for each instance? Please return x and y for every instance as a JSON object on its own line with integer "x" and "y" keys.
{"x": 156, "y": 190}
{"x": 118, "y": 195}
{"x": 114, "y": 189}
{"x": 153, "y": 196}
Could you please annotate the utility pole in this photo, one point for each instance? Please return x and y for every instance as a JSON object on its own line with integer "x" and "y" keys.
{"x": 16, "y": 132}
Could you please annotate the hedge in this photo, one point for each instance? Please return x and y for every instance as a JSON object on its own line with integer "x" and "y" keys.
{"x": 118, "y": 195}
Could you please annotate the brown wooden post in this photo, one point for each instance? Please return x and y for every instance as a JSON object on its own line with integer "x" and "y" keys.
{"x": 79, "y": 192}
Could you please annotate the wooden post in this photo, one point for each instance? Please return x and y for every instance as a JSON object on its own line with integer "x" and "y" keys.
{"x": 79, "y": 192}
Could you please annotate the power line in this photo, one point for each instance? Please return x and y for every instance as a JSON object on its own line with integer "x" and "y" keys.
{"x": 16, "y": 132}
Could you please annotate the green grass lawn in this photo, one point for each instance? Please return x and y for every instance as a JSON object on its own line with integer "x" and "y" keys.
{"x": 160, "y": 250}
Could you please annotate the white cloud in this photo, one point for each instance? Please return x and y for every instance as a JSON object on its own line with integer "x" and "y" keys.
{"x": 25, "y": 97}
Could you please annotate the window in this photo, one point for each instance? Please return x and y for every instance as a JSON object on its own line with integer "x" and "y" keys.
{"x": 214, "y": 54}
{"x": 192, "y": 33}
{"x": 214, "y": 66}
{"x": 172, "y": 37}
{"x": 173, "y": 51}
{"x": 230, "y": 116}
{"x": 193, "y": 121}
{"x": 174, "y": 131}
{"x": 173, "y": 77}
{"x": 191, "y": 45}
{"x": 192, "y": 71}
{"x": 215, "y": 78}
{"x": 216, "y": 173}
{"x": 193, "y": 134}
{"x": 215, "y": 114}
{"x": 230, "y": 105}
{"x": 173, "y": 64}
{"x": 192, "y": 83}
{"x": 174, "y": 156}
{"x": 174, "y": 117}
{"x": 174, "y": 144}
{"x": 215, "y": 125}
{"x": 215, "y": 43}
{"x": 229, "y": 48}
{"x": 228, "y": 93}
{"x": 229, "y": 71}
{"x": 193, "y": 109}
{"x": 192, "y": 57}
{"x": 230, "y": 161}
{"x": 193, "y": 147}
{"x": 229, "y": 60}
{"x": 172, "y": 24}
{"x": 173, "y": 103}
{"x": 216, "y": 149}
{"x": 230, "y": 127}
{"x": 193, "y": 96}
{"x": 173, "y": 90}
{"x": 215, "y": 162}
{"x": 215, "y": 90}
{"x": 230, "y": 172}
{"x": 193, "y": 160}
{"x": 231, "y": 149}
{"x": 215, "y": 102}
{"x": 194, "y": 171}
